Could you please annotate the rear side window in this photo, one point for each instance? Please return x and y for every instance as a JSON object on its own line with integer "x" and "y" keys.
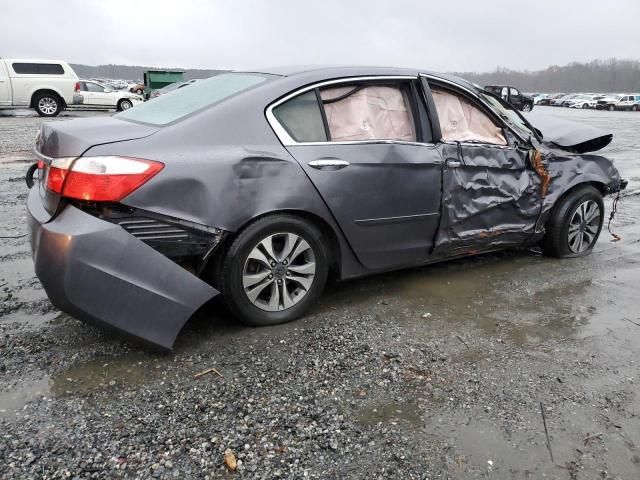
{"x": 349, "y": 113}
{"x": 38, "y": 68}
{"x": 185, "y": 101}
{"x": 301, "y": 118}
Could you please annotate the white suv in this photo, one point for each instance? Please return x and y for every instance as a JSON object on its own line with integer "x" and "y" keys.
{"x": 46, "y": 85}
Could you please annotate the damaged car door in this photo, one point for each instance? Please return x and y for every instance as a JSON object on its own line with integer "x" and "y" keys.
{"x": 491, "y": 195}
{"x": 362, "y": 144}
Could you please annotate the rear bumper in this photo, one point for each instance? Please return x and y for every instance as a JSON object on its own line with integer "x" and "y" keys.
{"x": 97, "y": 272}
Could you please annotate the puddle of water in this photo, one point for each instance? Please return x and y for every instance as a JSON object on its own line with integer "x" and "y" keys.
{"x": 392, "y": 412}
{"x": 99, "y": 374}
{"x": 14, "y": 400}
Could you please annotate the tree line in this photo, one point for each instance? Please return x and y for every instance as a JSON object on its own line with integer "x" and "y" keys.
{"x": 612, "y": 76}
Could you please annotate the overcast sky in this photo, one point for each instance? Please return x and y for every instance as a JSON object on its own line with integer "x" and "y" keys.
{"x": 449, "y": 35}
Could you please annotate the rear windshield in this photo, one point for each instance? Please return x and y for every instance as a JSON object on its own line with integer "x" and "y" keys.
{"x": 185, "y": 101}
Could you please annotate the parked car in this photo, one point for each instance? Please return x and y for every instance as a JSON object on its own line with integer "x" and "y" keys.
{"x": 608, "y": 102}
{"x": 513, "y": 96}
{"x": 628, "y": 102}
{"x": 583, "y": 101}
{"x": 541, "y": 99}
{"x": 171, "y": 88}
{"x": 93, "y": 94}
{"x": 261, "y": 186}
{"x": 549, "y": 100}
{"x": 137, "y": 88}
{"x": 44, "y": 85}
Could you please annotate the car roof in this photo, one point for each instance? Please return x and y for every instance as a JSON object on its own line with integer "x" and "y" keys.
{"x": 325, "y": 72}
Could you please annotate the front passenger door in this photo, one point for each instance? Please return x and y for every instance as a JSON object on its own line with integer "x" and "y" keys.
{"x": 491, "y": 197}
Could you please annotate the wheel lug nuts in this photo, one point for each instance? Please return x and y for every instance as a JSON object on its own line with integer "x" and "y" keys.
{"x": 279, "y": 282}
{"x": 270, "y": 275}
{"x": 273, "y": 264}
{"x": 288, "y": 274}
{"x": 285, "y": 262}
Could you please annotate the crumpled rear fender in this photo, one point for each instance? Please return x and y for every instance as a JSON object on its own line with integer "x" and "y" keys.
{"x": 97, "y": 272}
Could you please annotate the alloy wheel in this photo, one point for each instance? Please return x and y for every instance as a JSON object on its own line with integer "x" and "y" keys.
{"x": 583, "y": 227}
{"x": 47, "y": 105}
{"x": 279, "y": 272}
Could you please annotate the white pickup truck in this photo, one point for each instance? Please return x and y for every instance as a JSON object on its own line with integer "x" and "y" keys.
{"x": 47, "y": 86}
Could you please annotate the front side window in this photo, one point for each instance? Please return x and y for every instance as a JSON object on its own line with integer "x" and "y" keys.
{"x": 38, "y": 68}
{"x": 186, "y": 101}
{"x": 514, "y": 92}
{"x": 462, "y": 121}
{"x": 347, "y": 113}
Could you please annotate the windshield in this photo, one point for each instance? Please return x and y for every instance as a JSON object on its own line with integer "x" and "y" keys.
{"x": 510, "y": 116}
{"x": 185, "y": 101}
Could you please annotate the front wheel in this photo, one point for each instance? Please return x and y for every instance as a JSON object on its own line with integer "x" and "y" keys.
{"x": 585, "y": 105}
{"x": 575, "y": 224}
{"x": 124, "y": 105}
{"x": 526, "y": 107}
{"x": 274, "y": 270}
{"x": 47, "y": 104}
{"x": 635, "y": 108}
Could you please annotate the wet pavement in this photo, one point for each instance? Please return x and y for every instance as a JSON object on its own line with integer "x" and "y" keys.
{"x": 436, "y": 372}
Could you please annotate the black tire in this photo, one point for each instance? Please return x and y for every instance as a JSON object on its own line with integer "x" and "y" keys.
{"x": 236, "y": 257}
{"x": 139, "y": 91}
{"x": 124, "y": 104}
{"x": 585, "y": 105}
{"x": 635, "y": 108}
{"x": 47, "y": 104}
{"x": 611, "y": 108}
{"x": 527, "y": 107}
{"x": 556, "y": 241}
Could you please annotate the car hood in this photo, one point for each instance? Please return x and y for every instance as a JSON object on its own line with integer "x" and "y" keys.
{"x": 570, "y": 136}
{"x": 73, "y": 137}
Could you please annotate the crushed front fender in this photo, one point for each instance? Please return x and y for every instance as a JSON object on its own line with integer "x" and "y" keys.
{"x": 97, "y": 272}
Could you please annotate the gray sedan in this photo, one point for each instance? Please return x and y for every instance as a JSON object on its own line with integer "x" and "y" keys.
{"x": 261, "y": 186}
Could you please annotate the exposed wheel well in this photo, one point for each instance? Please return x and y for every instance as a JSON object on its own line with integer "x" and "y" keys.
{"x": 45, "y": 90}
{"x": 335, "y": 253}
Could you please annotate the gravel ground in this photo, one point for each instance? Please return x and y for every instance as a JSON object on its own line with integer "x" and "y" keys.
{"x": 442, "y": 372}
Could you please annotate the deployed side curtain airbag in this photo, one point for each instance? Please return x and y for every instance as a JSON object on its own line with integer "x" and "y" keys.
{"x": 461, "y": 121}
{"x": 368, "y": 113}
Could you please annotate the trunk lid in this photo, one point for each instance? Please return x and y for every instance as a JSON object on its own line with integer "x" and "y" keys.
{"x": 59, "y": 139}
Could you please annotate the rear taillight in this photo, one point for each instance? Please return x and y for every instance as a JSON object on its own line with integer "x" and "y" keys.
{"x": 77, "y": 89}
{"x": 99, "y": 179}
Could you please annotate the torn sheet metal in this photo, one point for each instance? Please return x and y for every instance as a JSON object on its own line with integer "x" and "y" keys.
{"x": 490, "y": 197}
{"x": 569, "y": 135}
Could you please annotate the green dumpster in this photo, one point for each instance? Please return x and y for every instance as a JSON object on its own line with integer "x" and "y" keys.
{"x": 155, "y": 79}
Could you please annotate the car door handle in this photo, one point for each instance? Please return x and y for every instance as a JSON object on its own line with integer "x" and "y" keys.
{"x": 454, "y": 163}
{"x": 329, "y": 164}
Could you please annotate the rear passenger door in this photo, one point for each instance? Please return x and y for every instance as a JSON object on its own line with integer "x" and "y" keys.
{"x": 491, "y": 196}
{"x": 365, "y": 146}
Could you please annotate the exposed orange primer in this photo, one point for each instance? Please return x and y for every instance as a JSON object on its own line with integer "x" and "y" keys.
{"x": 541, "y": 170}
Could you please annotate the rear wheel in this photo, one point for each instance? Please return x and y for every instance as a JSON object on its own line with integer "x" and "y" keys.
{"x": 585, "y": 105}
{"x": 47, "y": 104}
{"x": 575, "y": 224}
{"x": 635, "y": 108}
{"x": 611, "y": 108}
{"x": 139, "y": 91}
{"x": 274, "y": 270}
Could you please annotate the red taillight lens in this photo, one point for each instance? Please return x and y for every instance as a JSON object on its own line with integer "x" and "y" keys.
{"x": 99, "y": 179}
{"x": 77, "y": 89}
